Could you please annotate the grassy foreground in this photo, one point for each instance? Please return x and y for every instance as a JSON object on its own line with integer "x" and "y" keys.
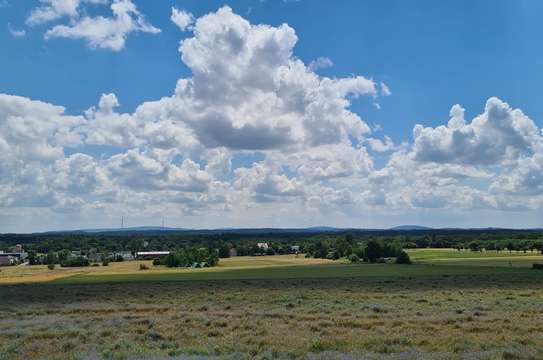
{"x": 453, "y": 317}
{"x": 281, "y": 307}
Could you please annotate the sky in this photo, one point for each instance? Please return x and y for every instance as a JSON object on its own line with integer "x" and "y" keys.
{"x": 262, "y": 113}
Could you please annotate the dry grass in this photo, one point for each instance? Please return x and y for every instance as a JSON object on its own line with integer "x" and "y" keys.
{"x": 40, "y": 273}
{"x": 475, "y": 318}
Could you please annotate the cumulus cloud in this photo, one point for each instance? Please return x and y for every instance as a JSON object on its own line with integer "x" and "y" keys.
{"x": 500, "y": 134}
{"x": 105, "y": 32}
{"x": 253, "y": 132}
{"x": 182, "y": 19}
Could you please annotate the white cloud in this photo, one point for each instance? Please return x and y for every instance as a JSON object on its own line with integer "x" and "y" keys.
{"x": 382, "y": 146}
{"x": 320, "y": 63}
{"x": 497, "y": 136}
{"x": 182, "y": 19}
{"x": 106, "y": 32}
{"x": 385, "y": 90}
{"x": 251, "y": 132}
{"x": 16, "y": 33}
{"x": 55, "y": 9}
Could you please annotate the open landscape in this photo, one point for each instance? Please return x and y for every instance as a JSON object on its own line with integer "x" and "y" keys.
{"x": 448, "y": 304}
{"x": 271, "y": 179}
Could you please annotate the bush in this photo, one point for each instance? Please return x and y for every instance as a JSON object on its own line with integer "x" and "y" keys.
{"x": 156, "y": 262}
{"x": 537, "y": 266}
{"x": 95, "y": 264}
{"x": 144, "y": 267}
{"x": 403, "y": 258}
{"x": 354, "y": 258}
{"x": 75, "y": 262}
{"x": 52, "y": 266}
{"x": 105, "y": 262}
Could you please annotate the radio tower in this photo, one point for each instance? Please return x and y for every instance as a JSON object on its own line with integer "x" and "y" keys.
{"x": 122, "y": 222}
{"x": 162, "y": 223}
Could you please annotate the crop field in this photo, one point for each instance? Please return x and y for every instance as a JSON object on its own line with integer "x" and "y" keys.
{"x": 244, "y": 308}
{"x": 476, "y": 258}
{"x": 40, "y": 273}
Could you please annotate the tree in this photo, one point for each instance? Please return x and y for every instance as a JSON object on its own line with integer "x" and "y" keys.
{"x": 224, "y": 251}
{"x": 51, "y": 258}
{"x": 342, "y": 246}
{"x": 320, "y": 250}
{"x": 373, "y": 251}
{"x": 171, "y": 261}
{"x": 474, "y": 246}
{"x": 403, "y": 258}
{"x": 32, "y": 258}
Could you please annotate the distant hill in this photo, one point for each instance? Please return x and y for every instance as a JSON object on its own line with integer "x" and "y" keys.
{"x": 410, "y": 227}
{"x": 131, "y": 229}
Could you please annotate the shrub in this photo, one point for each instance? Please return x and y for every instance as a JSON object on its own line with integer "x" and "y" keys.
{"x": 105, "y": 262}
{"x": 403, "y": 258}
{"x": 76, "y": 262}
{"x": 52, "y": 266}
{"x": 354, "y": 258}
{"x": 537, "y": 266}
{"x": 156, "y": 262}
{"x": 144, "y": 267}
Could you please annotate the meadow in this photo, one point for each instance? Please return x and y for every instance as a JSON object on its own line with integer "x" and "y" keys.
{"x": 282, "y": 307}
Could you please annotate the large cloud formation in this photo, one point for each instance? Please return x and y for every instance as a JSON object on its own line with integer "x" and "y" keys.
{"x": 254, "y": 137}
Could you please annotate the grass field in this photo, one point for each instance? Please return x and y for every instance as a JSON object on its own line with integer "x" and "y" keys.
{"x": 279, "y": 307}
{"x": 40, "y": 273}
{"x": 475, "y": 258}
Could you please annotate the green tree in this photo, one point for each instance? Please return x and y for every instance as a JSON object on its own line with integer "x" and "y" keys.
{"x": 224, "y": 251}
{"x": 51, "y": 258}
{"x": 373, "y": 251}
{"x": 403, "y": 258}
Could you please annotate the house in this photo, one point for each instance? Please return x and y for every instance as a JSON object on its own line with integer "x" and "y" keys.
{"x": 125, "y": 255}
{"x": 262, "y": 246}
{"x": 233, "y": 252}
{"x": 15, "y": 257}
{"x": 151, "y": 255}
{"x": 295, "y": 249}
{"x": 5, "y": 260}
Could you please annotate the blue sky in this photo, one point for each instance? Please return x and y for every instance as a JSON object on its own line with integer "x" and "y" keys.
{"x": 431, "y": 55}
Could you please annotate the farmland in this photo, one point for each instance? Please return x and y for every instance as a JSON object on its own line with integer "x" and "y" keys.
{"x": 435, "y": 308}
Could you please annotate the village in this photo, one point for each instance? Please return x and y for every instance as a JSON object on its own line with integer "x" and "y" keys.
{"x": 17, "y": 256}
